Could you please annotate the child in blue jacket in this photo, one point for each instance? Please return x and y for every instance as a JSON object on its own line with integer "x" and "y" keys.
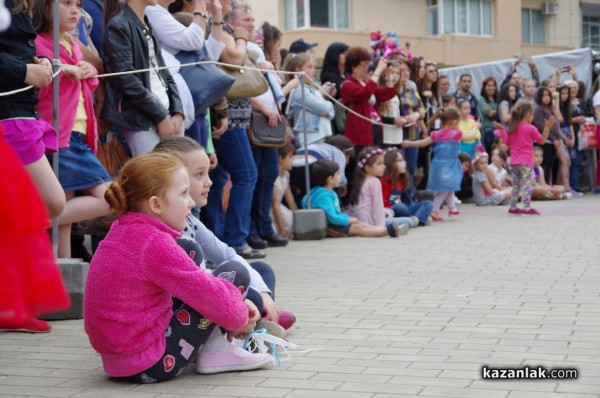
{"x": 325, "y": 176}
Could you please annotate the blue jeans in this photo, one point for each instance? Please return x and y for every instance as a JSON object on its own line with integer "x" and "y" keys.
{"x": 235, "y": 159}
{"x": 267, "y": 164}
{"x": 421, "y": 210}
{"x": 399, "y": 220}
{"x": 198, "y": 131}
{"x": 574, "y": 172}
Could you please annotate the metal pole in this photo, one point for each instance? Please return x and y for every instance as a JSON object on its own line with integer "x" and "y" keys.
{"x": 55, "y": 68}
{"x": 306, "y": 168}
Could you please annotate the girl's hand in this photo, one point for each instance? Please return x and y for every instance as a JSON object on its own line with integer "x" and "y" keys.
{"x": 269, "y": 307}
{"x": 72, "y": 71}
{"x": 549, "y": 122}
{"x": 381, "y": 65}
{"x": 38, "y": 74}
{"x": 571, "y": 142}
{"x": 353, "y": 220}
{"x": 498, "y": 126}
{"x": 253, "y": 316}
{"x": 478, "y": 126}
{"x": 86, "y": 68}
{"x": 164, "y": 128}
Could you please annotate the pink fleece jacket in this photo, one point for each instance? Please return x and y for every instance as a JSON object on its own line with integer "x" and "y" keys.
{"x": 135, "y": 272}
{"x": 70, "y": 91}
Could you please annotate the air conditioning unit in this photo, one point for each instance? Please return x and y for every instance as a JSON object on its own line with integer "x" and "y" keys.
{"x": 549, "y": 8}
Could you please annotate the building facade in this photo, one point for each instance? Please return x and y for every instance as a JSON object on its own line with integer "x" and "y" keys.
{"x": 451, "y": 32}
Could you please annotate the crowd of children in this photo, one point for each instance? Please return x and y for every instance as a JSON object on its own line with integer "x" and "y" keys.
{"x": 151, "y": 307}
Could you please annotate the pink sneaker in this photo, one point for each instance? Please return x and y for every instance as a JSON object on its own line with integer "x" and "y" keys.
{"x": 453, "y": 212}
{"x": 235, "y": 359}
{"x": 530, "y": 212}
{"x": 515, "y": 211}
{"x": 286, "y": 319}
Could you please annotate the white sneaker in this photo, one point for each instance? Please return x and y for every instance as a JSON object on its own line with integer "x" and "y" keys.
{"x": 415, "y": 221}
{"x": 403, "y": 229}
{"x": 234, "y": 359}
{"x": 457, "y": 201}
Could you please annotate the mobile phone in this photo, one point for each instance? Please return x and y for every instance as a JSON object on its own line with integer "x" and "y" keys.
{"x": 566, "y": 68}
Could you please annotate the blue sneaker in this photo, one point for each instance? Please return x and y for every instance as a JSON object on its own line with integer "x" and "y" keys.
{"x": 596, "y": 190}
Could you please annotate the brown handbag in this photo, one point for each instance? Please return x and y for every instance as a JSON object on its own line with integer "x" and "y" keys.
{"x": 261, "y": 134}
{"x": 249, "y": 81}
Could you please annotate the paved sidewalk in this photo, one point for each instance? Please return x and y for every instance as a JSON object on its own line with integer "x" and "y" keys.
{"x": 414, "y": 316}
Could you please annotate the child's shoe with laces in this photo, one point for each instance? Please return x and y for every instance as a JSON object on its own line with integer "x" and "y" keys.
{"x": 234, "y": 359}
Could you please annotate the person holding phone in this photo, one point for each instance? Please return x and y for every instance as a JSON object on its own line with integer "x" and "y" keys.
{"x": 514, "y": 78}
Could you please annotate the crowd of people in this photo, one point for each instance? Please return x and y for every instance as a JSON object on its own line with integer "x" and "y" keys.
{"x": 387, "y": 146}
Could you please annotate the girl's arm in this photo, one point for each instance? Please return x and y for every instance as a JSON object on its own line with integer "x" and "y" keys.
{"x": 289, "y": 199}
{"x": 547, "y": 126}
{"x": 492, "y": 179}
{"x": 504, "y": 113}
{"x": 474, "y": 134}
{"x": 417, "y": 144}
{"x": 277, "y": 218}
{"x": 542, "y": 179}
{"x": 487, "y": 187}
{"x": 314, "y": 104}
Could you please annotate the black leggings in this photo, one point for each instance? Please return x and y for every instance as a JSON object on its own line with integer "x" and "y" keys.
{"x": 187, "y": 332}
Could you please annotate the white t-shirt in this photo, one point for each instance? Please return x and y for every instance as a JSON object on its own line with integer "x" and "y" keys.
{"x": 157, "y": 85}
{"x": 499, "y": 173}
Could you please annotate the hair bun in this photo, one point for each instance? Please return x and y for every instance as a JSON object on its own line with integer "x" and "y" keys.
{"x": 116, "y": 198}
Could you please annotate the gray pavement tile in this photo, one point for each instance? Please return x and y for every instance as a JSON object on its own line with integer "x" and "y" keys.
{"x": 417, "y": 316}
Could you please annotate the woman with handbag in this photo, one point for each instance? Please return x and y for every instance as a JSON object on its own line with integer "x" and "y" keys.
{"x": 267, "y": 133}
{"x": 235, "y": 154}
{"x": 183, "y": 36}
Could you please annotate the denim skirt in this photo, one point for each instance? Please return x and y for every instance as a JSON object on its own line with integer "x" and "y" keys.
{"x": 78, "y": 167}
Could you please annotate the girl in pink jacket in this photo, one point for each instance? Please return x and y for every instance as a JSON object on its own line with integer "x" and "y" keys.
{"x": 148, "y": 307}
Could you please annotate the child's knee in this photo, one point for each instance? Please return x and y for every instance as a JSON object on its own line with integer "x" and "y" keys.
{"x": 55, "y": 204}
{"x": 235, "y": 273}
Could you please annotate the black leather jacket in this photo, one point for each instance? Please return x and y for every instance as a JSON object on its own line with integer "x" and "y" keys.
{"x": 129, "y": 102}
{"x": 17, "y": 49}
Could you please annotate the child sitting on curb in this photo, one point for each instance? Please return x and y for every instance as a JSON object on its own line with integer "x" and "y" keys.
{"x": 541, "y": 190}
{"x": 483, "y": 184}
{"x": 325, "y": 176}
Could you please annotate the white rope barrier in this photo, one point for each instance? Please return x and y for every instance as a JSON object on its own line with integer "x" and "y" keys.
{"x": 311, "y": 82}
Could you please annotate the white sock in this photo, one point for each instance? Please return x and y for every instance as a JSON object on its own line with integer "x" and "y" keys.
{"x": 217, "y": 342}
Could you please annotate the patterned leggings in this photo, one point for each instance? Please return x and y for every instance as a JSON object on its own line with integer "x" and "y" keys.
{"x": 188, "y": 330}
{"x": 524, "y": 178}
